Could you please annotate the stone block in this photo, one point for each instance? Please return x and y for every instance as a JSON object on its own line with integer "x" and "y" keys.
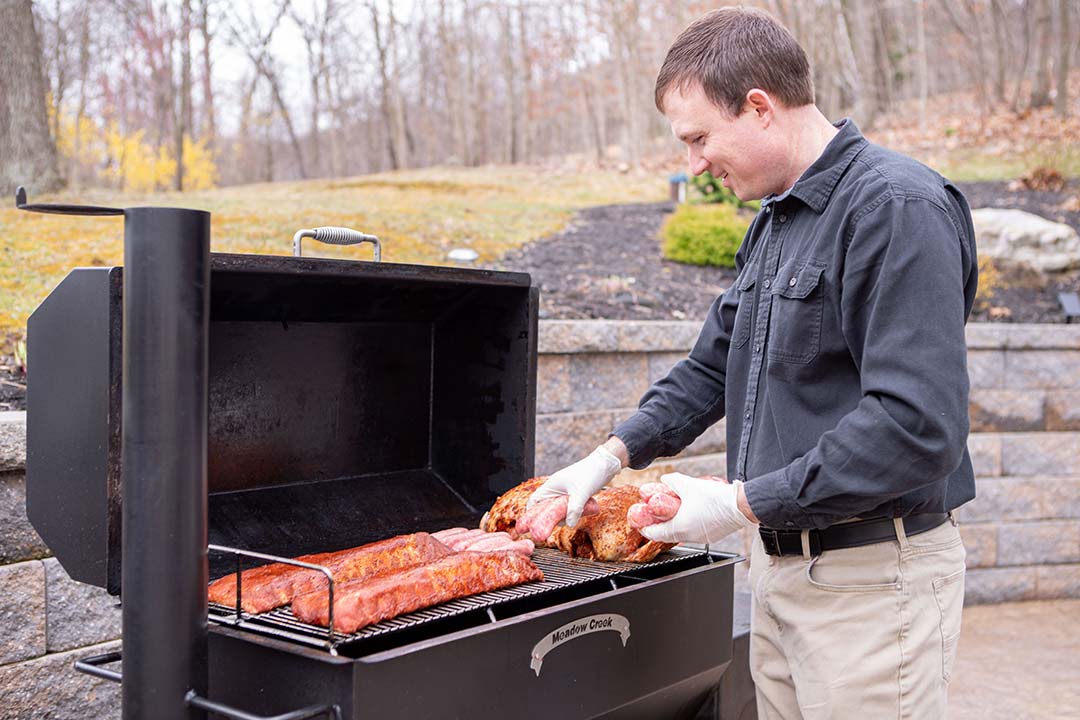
{"x": 1054, "y": 582}
{"x": 608, "y": 380}
{"x": 553, "y": 384}
{"x": 985, "y": 451}
{"x": 986, "y": 368}
{"x": 980, "y": 541}
{"x": 1033, "y": 543}
{"x": 997, "y": 585}
{"x": 78, "y": 614}
{"x": 564, "y": 438}
{"x": 18, "y": 539}
{"x": 1048, "y": 369}
{"x": 577, "y": 336}
{"x": 12, "y": 441}
{"x": 1061, "y": 497}
{"x": 658, "y": 336}
{"x": 1007, "y": 410}
{"x": 1042, "y": 453}
{"x": 22, "y": 612}
{"x": 661, "y": 363}
{"x": 986, "y": 336}
{"x": 1063, "y": 410}
{"x": 48, "y": 688}
{"x": 713, "y": 440}
{"x": 1003, "y": 499}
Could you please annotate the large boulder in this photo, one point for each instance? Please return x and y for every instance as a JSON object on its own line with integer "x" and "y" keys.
{"x": 1020, "y": 237}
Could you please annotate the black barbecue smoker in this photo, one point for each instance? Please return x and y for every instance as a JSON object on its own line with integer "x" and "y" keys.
{"x": 192, "y": 413}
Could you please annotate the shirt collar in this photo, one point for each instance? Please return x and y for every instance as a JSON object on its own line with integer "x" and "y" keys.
{"x": 815, "y": 186}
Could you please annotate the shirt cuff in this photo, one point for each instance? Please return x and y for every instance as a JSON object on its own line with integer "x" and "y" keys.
{"x": 772, "y": 500}
{"x": 641, "y": 437}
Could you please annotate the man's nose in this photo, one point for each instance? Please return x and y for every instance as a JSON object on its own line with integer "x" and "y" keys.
{"x": 696, "y": 162}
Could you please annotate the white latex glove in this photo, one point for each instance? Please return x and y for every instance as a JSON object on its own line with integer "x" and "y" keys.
{"x": 709, "y": 511}
{"x": 579, "y": 482}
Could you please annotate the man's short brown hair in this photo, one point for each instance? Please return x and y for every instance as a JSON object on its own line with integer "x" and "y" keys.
{"x": 733, "y": 50}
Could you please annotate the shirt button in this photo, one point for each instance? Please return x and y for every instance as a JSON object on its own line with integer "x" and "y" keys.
{"x": 757, "y": 347}
{"x": 782, "y": 218}
{"x": 788, "y": 523}
{"x": 747, "y": 416}
{"x": 793, "y": 281}
{"x": 768, "y": 283}
{"x": 768, "y": 209}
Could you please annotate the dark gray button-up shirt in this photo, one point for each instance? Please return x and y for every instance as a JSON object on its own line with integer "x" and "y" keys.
{"x": 838, "y": 355}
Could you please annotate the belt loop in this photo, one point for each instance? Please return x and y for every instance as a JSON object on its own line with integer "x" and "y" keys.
{"x": 952, "y": 519}
{"x": 804, "y": 537}
{"x": 901, "y": 535}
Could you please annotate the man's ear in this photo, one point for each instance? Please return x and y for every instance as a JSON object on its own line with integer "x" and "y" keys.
{"x": 761, "y": 104}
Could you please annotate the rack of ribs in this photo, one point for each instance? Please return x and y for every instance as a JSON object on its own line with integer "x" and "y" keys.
{"x": 270, "y": 586}
{"x": 358, "y": 604}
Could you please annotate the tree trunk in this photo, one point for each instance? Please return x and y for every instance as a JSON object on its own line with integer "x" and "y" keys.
{"x": 998, "y": 14}
{"x": 184, "y": 114}
{"x": 920, "y": 50}
{"x": 209, "y": 129}
{"x": 1061, "y": 102}
{"x": 75, "y": 173}
{"x": 1040, "y": 89}
{"x": 27, "y": 150}
{"x": 524, "y": 107}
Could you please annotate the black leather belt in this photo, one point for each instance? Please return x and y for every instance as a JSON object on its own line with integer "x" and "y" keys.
{"x": 845, "y": 535}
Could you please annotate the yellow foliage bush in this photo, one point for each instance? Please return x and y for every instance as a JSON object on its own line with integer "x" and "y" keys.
{"x": 127, "y": 161}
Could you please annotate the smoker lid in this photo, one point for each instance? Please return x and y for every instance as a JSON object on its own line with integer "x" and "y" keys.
{"x": 348, "y": 401}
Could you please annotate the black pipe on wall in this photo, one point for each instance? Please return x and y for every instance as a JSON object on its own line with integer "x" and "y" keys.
{"x": 164, "y": 570}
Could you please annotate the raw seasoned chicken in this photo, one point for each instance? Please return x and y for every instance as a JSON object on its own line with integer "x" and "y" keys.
{"x": 605, "y": 535}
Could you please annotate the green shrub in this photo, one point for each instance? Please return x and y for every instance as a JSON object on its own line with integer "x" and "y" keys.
{"x": 713, "y": 191}
{"x": 703, "y": 235}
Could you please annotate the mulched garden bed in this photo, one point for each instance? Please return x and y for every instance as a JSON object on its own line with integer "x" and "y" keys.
{"x": 607, "y": 264}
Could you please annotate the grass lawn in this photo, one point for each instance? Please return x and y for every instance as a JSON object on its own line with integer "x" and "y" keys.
{"x": 418, "y": 215}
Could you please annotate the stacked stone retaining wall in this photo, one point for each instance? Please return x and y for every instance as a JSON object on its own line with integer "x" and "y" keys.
{"x": 1022, "y": 531}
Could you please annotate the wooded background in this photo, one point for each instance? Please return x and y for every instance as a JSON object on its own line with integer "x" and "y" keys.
{"x": 249, "y": 91}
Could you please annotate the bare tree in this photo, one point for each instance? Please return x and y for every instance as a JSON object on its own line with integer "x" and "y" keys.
{"x": 255, "y": 42}
{"x": 1061, "y": 102}
{"x": 1040, "y": 89}
{"x": 27, "y": 151}
{"x": 208, "y": 131}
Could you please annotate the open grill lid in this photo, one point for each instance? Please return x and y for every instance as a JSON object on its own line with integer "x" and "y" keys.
{"x": 347, "y": 402}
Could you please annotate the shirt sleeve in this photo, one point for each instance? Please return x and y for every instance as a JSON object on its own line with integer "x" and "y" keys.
{"x": 903, "y": 312}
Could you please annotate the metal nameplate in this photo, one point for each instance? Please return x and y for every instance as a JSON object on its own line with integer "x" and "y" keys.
{"x": 575, "y": 629}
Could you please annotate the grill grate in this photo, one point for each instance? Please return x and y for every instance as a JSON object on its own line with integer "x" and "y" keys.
{"x": 560, "y": 571}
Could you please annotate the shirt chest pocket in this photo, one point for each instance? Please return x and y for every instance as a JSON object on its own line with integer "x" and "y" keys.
{"x": 744, "y": 300}
{"x": 798, "y": 300}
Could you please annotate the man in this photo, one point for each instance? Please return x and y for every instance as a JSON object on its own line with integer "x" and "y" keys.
{"x": 839, "y": 359}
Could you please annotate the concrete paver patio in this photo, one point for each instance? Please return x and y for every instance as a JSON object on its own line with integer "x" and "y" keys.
{"x": 1018, "y": 661}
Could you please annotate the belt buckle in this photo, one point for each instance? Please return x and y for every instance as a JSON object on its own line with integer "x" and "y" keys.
{"x": 770, "y": 540}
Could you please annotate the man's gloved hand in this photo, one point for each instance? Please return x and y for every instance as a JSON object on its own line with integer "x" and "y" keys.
{"x": 579, "y": 482}
{"x": 708, "y": 513}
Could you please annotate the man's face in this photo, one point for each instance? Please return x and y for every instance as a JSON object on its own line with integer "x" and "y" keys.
{"x": 736, "y": 149}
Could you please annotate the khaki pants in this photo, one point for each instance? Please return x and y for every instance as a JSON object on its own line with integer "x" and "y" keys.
{"x": 867, "y": 632}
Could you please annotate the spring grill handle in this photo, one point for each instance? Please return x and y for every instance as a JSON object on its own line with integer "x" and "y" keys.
{"x": 335, "y": 236}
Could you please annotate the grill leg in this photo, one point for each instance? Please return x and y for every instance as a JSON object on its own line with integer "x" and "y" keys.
{"x": 164, "y": 572}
